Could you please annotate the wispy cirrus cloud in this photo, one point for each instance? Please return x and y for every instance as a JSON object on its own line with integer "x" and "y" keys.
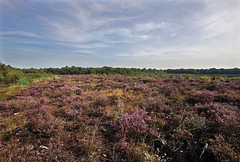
{"x": 219, "y": 19}
{"x": 148, "y": 52}
{"x": 84, "y": 24}
{"x": 146, "y": 27}
{"x": 20, "y": 33}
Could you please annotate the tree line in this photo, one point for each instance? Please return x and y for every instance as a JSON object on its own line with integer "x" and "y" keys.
{"x": 203, "y": 71}
{"x": 10, "y": 74}
{"x": 129, "y": 71}
{"x": 99, "y": 71}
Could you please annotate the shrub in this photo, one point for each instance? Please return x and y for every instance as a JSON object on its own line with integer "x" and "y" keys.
{"x": 24, "y": 81}
{"x": 13, "y": 76}
{"x": 216, "y": 113}
{"x": 214, "y": 85}
{"x": 153, "y": 104}
{"x": 4, "y": 105}
{"x": 2, "y": 78}
{"x": 223, "y": 150}
{"x": 189, "y": 76}
{"x": 205, "y": 78}
{"x": 53, "y": 151}
{"x": 131, "y": 126}
{"x": 101, "y": 100}
{"x": 226, "y": 97}
{"x": 43, "y": 123}
{"x": 201, "y": 97}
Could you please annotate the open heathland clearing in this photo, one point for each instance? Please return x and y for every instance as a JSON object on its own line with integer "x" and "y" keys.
{"x": 97, "y": 118}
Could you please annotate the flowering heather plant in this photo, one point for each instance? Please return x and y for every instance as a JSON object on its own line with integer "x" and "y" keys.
{"x": 101, "y": 100}
{"x": 216, "y": 113}
{"x": 225, "y": 97}
{"x": 113, "y": 99}
{"x": 42, "y": 122}
{"x": 19, "y": 152}
{"x": 168, "y": 89}
{"x": 154, "y": 104}
{"x": 234, "y": 85}
{"x": 24, "y": 103}
{"x": 54, "y": 94}
{"x": 131, "y": 126}
{"x": 223, "y": 150}
{"x": 69, "y": 99}
{"x": 53, "y": 151}
{"x": 77, "y": 90}
{"x": 202, "y": 97}
{"x": 68, "y": 113}
{"x": 4, "y": 105}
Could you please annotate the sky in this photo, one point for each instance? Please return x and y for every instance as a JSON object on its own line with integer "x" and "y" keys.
{"x": 158, "y": 34}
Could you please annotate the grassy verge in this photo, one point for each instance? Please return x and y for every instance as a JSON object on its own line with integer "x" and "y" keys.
{"x": 7, "y": 92}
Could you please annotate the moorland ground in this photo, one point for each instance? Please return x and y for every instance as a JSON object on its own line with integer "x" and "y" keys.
{"x": 97, "y": 118}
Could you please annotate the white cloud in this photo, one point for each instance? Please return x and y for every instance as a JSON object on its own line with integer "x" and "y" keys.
{"x": 161, "y": 52}
{"x": 80, "y": 24}
{"x": 146, "y": 27}
{"x": 220, "y": 19}
{"x": 20, "y": 33}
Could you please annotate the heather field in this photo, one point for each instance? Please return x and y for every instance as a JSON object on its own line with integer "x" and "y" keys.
{"x": 96, "y": 118}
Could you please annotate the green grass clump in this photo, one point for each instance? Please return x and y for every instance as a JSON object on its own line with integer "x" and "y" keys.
{"x": 9, "y": 91}
{"x": 24, "y": 81}
{"x": 205, "y": 78}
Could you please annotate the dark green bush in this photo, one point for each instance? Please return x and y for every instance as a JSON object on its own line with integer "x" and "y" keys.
{"x": 13, "y": 76}
{"x": 2, "y": 78}
{"x": 24, "y": 81}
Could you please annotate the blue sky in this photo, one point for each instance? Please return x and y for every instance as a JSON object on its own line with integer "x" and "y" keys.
{"x": 120, "y": 33}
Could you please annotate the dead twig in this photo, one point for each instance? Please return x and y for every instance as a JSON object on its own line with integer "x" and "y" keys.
{"x": 203, "y": 150}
